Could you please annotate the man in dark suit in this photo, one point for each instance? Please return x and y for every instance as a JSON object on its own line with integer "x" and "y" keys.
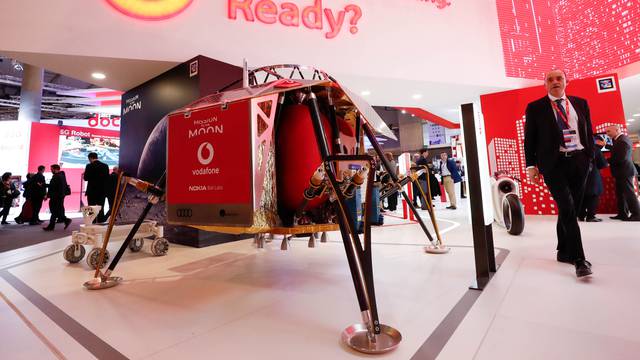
{"x": 423, "y": 161}
{"x": 96, "y": 174}
{"x": 593, "y": 188}
{"x": 624, "y": 172}
{"x": 558, "y": 143}
{"x": 450, "y": 177}
{"x": 38, "y": 192}
{"x": 57, "y": 192}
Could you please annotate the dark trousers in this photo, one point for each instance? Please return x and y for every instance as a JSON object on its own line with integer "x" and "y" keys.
{"x": 111, "y": 200}
{"x": 36, "y": 202}
{"x": 6, "y": 206}
{"x": 463, "y": 193}
{"x": 417, "y": 195}
{"x": 392, "y": 202}
{"x": 589, "y": 206}
{"x": 97, "y": 199}
{"x": 566, "y": 183}
{"x": 56, "y": 207}
{"x": 626, "y": 197}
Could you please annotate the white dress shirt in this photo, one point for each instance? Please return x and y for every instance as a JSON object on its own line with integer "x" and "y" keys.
{"x": 573, "y": 120}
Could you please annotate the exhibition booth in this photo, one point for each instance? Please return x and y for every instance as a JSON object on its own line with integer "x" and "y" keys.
{"x": 30, "y": 145}
{"x": 257, "y": 187}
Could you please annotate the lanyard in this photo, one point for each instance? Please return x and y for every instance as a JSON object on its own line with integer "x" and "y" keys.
{"x": 559, "y": 112}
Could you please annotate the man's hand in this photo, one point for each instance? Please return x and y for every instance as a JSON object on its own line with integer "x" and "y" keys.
{"x": 533, "y": 174}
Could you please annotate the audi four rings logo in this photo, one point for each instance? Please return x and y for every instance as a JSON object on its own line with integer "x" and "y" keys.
{"x": 184, "y": 213}
{"x": 201, "y": 149}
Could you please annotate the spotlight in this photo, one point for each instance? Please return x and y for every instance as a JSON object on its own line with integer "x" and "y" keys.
{"x": 365, "y": 93}
{"x": 98, "y": 75}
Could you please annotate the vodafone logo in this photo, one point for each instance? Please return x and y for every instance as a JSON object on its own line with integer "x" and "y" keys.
{"x": 207, "y": 148}
{"x": 150, "y": 9}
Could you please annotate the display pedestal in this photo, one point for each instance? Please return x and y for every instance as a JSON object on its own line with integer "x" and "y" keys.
{"x": 184, "y": 235}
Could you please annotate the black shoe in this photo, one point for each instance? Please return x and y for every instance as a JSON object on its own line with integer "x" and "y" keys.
{"x": 67, "y": 222}
{"x": 463, "y": 197}
{"x": 18, "y": 220}
{"x": 583, "y": 268}
{"x": 593, "y": 219}
{"x": 580, "y": 218}
{"x": 451, "y": 207}
{"x": 618, "y": 217}
{"x": 4, "y": 223}
{"x": 48, "y": 228}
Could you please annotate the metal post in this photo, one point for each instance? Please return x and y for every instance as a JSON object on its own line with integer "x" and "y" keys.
{"x": 482, "y": 243}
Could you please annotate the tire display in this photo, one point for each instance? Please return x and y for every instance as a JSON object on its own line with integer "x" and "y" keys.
{"x": 513, "y": 214}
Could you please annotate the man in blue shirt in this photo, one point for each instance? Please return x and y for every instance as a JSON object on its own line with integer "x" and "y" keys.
{"x": 450, "y": 177}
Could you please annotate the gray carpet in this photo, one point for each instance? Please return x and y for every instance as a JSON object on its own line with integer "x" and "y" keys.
{"x": 14, "y": 236}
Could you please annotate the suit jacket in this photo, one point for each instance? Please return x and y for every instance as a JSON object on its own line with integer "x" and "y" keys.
{"x": 453, "y": 169}
{"x": 96, "y": 174}
{"x": 422, "y": 162}
{"x": 58, "y": 185}
{"x": 621, "y": 163}
{"x": 38, "y": 186}
{"x": 543, "y": 136}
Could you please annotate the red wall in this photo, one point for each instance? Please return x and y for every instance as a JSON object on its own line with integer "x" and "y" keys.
{"x": 43, "y": 150}
{"x": 504, "y": 124}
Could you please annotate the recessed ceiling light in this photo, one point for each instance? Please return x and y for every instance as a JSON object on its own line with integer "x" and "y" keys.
{"x": 365, "y": 93}
{"x": 636, "y": 115}
{"x": 631, "y": 120}
{"x": 98, "y": 75}
{"x": 416, "y": 96}
{"x": 404, "y": 111}
{"x": 413, "y": 115}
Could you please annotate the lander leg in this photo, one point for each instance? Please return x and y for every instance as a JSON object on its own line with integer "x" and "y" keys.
{"x": 370, "y": 336}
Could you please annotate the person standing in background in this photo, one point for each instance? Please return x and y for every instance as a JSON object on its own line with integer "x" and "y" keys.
{"x": 624, "y": 172}
{"x": 56, "y": 193}
{"x": 463, "y": 193}
{"x": 112, "y": 184}
{"x": 38, "y": 192}
{"x": 593, "y": 188}
{"x": 96, "y": 174}
{"x": 7, "y": 194}
{"x": 423, "y": 162}
{"x": 392, "y": 200}
{"x": 27, "y": 208}
{"x": 558, "y": 143}
{"x": 450, "y": 177}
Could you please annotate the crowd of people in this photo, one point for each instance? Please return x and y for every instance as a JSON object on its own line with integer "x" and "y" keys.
{"x": 35, "y": 190}
{"x": 451, "y": 172}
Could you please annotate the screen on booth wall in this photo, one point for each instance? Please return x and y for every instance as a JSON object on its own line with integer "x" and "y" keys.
{"x": 73, "y": 149}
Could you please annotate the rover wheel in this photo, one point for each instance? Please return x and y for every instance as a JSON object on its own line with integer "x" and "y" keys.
{"x": 74, "y": 253}
{"x": 160, "y": 247}
{"x": 136, "y": 244}
{"x": 94, "y": 256}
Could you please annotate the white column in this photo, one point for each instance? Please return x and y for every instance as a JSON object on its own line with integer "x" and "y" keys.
{"x": 31, "y": 93}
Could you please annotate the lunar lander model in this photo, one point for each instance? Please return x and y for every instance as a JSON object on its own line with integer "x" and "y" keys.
{"x": 283, "y": 155}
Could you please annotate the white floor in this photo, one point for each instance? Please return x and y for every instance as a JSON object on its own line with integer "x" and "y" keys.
{"x": 234, "y": 301}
